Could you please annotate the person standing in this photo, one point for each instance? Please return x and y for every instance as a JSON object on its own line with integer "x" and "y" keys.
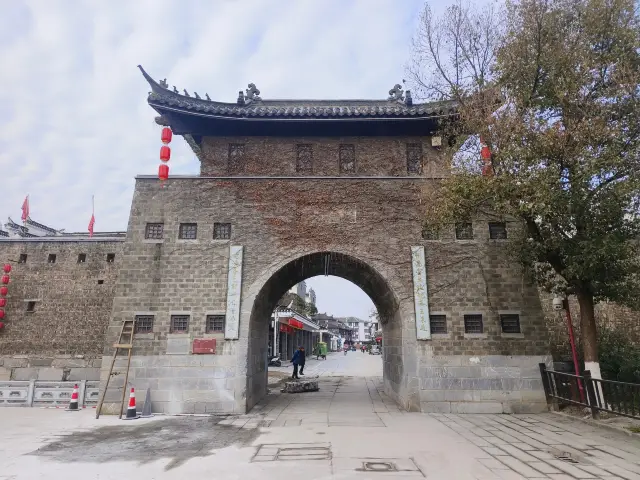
{"x": 295, "y": 360}
{"x": 302, "y": 360}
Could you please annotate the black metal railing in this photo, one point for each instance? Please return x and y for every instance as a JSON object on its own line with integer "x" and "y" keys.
{"x": 619, "y": 398}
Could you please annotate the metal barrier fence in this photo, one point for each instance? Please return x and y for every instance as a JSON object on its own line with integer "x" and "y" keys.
{"x": 47, "y": 394}
{"x": 619, "y": 398}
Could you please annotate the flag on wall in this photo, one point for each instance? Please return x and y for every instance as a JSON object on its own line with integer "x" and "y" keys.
{"x": 92, "y": 222}
{"x": 25, "y": 209}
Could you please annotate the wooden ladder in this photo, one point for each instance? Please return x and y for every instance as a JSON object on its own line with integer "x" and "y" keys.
{"x": 125, "y": 342}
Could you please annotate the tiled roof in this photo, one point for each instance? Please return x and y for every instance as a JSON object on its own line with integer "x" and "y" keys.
{"x": 41, "y": 226}
{"x": 3, "y": 233}
{"x": 162, "y": 98}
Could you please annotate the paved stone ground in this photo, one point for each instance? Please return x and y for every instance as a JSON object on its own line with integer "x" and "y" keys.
{"x": 349, "y": 429}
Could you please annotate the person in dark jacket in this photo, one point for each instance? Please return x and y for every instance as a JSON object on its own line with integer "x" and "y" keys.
{"x": 302, "y": 359}
{"x": 295, "y": 360}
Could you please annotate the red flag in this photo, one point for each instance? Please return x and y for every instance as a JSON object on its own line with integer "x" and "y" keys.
{"x": 92, "y": 222}
{"x": 25, "y": 209}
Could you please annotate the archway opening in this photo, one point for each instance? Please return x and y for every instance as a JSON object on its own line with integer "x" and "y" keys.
{"x": 302, "y": 268}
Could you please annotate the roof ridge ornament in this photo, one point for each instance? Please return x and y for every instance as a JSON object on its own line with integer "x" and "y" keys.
{"x": 252, "y": 94}
{"x": 396, "y": 93}
{"x": 163, "y": 83}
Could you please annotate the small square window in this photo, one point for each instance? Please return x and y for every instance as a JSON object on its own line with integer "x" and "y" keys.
{"x": 179, "y": 323}
{"x": 154, "y": 231}
{"x": 52, "y": 258}
{"x": 510, "y": 323}
{"x": 23, "y": 258}
{"x": 222, "y": 231}
{"x": 82, "y": 257}
{"x": 31, "y": 306}
{"x": 304, "y": 158}
{"x": 464, "y": 231}
{"x": 414, "y": 158}
{"x": 188, "y": 231}
{"x": 144, "y": 324}
{"x": 438, "y": 323}
{"x": 100, "y": 282}
{"x": 497, "y": 230}
{"x": 347, "y": 159}
{"x": 473, "y": 324}
{"x": 111, "y": 257}
{"x": 215, "y": 323}
{"x": 430, "y": 233}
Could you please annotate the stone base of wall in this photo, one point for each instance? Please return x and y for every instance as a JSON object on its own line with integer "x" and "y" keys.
{"x": 482, "y": 384}
{"x": 55, "y": 368}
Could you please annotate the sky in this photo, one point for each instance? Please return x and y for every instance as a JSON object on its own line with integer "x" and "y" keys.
{"x": 74, "y": 122}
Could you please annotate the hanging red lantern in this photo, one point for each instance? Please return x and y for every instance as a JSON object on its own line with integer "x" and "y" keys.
{"x": 3, "y": 302}
{"x": 165, "y": 153}
{"x": 4, "y": 291}
{"x": 7, "y": 268}
{"x": 1, "y": 314}
{"x": 163, "y": 172}
{"x": 5, "y": 279}
{"x": 166, "y": 135}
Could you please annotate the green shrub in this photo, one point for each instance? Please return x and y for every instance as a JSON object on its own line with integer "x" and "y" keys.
{"x": 619, "y": 356}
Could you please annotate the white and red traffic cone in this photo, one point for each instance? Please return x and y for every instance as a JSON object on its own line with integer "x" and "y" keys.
{"x": 131, "y": 409}
{"x": 73, "y": 403}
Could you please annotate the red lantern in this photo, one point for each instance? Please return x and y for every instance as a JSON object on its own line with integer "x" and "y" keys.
{"x": 3, "y": 302}
{"x": 1, "y": 314}
{"x": 5, "y": 279}
{"x": 165, "y": 153}
{"x": 7, "y": 268}
{"x": 4, "y": 291}
{"x": 166, "y": 135}
{"x": 485, "y": 153}
{"x": 163, "y": 172}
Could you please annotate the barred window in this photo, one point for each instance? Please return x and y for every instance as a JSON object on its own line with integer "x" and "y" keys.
{"x": 215, "y": 323}
{"x": 510, "y": 323}
{"x": 188, "y": 231}
{"x": 473, "y": 324}
{"x": 464, "y": 231}
{"x": 497, "y": 230}
{"x": 154, "y": 231}
{"x": 236, "y": 157}
{"x": 144, "y": 324}
{"x": 414, "y": 158}
{"x": 179, "y": 323}
{"x": 430, "y": 233}
{"x": 222, "y": 231}
{"x": 347, "y": 159}
{"x": 304, "y": 158}
{"x": 438, "y": 323}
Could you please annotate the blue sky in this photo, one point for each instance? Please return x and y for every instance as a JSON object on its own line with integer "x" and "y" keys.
{"x": 73, "y": 115}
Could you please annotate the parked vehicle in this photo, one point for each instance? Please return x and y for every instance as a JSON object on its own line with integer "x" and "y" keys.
{"x": 375, "y": 350}
{"x": 275, "y": 361}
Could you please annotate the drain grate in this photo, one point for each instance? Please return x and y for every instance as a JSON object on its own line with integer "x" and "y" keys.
{"x": 565, "y": 457}
{"x": 284, "y": 452}
{"x": 379, "y": 467}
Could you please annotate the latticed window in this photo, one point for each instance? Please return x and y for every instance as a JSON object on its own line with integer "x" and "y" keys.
{"x": 464, "y": 231}
{"x": 188, "y": 231}
{"x": 144, "y": 324}
{"x": 347, "y": 159}
{"x": 473, "y": 323}
{"x": 222, "y": 231}
{"x": 236, "y": 157}
{"x": 510, "y": 322}
{"x": 154, "y": 230}
{"x": 179, "y": 323}
{"x": 414, "y": 158}
{"x": 215, "y": 323}
{"x": 438, "y": 323}
{"x": 304, "y": 158}
{"x": 497, "y": 230}
{"x": 430, "y": 233}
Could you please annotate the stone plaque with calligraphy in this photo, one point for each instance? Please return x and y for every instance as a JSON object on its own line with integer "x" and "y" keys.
{"x": 420, "y": 293}
{"x": 234, "y": 289}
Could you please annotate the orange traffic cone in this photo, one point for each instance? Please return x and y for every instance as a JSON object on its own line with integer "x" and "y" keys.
{"x": 73, "y": 403}
{"x": 131, "y": 409}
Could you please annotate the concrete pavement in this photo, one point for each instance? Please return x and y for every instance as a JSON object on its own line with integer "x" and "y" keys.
{"x": 349, "y": 429}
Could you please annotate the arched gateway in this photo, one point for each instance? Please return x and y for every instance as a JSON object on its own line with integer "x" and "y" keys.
{"x": 291, "y": 189}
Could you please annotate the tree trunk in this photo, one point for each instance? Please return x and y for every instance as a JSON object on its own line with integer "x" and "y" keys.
{"x": 588, "y": 333}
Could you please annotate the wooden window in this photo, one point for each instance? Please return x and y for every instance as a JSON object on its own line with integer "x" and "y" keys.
{"x": 347, "y": 159}
{"x": 82, "y": 257}
{"x": 179, "y": 323}
{"x": 497, "y": 230}
{"x": 222, "y": 231}
{"x": 473, "y": 324}
{"x": 144, "y": 324}
{"x": 111, "y": 257}
{"x": 304, "y": 158}
{"x": 464, "y": 231}
{"x": 188, "y": 231}
{"x": 438, "y": 323}
{"x": 31, "y": 306}
{"x": 236, "y": 157}
{"x": 52, "y": 258}
{"x": 414, "y": 158}
{"x": 154, "y": 231}
{"x": 510, "y": 323}
{"x": 215, "y": 323}
{"x": 23, "y": 258}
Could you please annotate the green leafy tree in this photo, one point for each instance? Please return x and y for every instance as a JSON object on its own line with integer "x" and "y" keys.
{"x": 553, "y": 88}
